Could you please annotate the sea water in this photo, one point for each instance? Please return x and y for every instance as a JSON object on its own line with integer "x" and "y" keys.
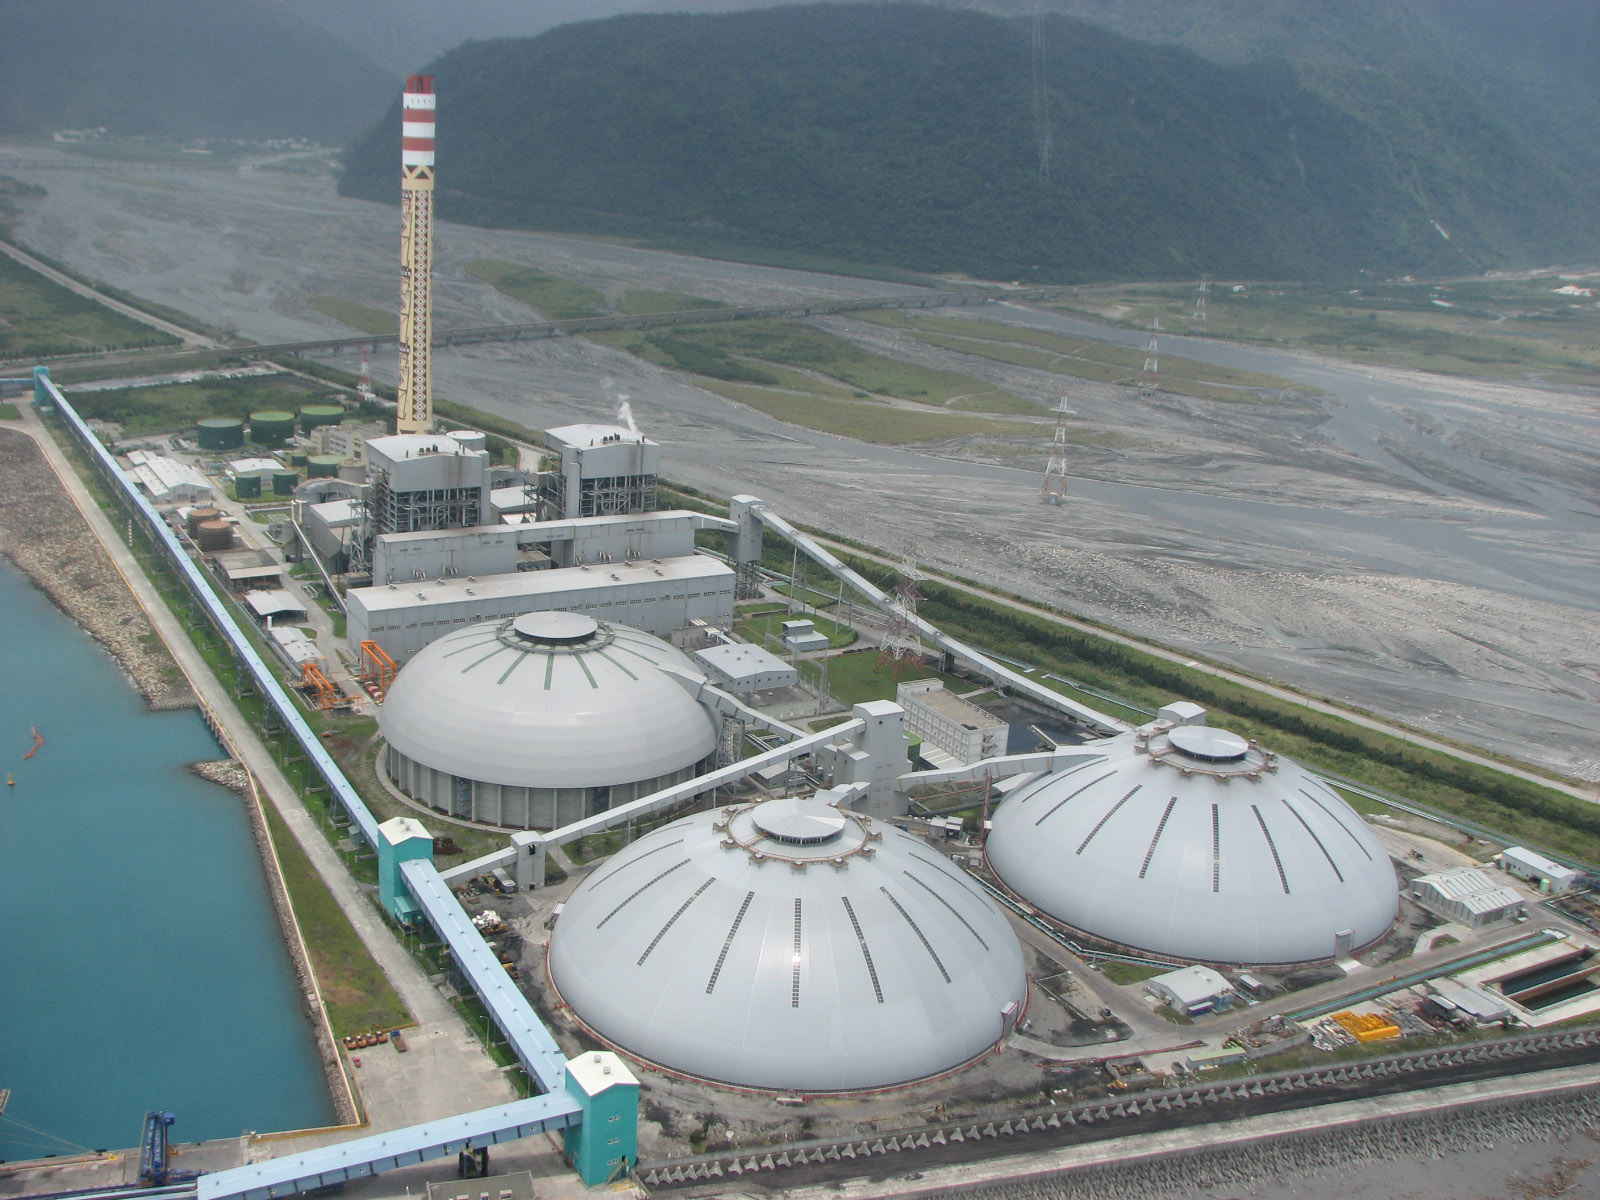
{"x": 141, "y": 963}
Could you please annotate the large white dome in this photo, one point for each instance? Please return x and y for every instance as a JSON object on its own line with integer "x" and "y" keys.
{"x": 791, "y": 946}
{"x": 1196, "y": 844}
{"x": 556, "y": 703}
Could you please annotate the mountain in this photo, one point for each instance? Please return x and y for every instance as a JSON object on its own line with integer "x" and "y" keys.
{"x": 182, "y": 69}
{"x": 907, "y": 136}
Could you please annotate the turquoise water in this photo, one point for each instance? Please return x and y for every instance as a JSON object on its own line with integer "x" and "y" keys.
{"x": 141, "y": 965}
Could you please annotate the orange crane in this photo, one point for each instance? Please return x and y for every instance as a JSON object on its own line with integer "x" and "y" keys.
{"x": 315, "y": 682}
{"x": 377, "y": 670}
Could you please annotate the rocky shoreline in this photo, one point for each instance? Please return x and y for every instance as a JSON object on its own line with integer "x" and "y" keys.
{"x": 45, "y": 535}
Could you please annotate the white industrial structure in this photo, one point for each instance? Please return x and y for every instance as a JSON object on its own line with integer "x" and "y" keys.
{"x": 1190, "y": 842}
{"x": 742, "y": 668}
{"x": 543, "y": 720}
{"x": 953, "y": 730}
{"x": 603, "y": 469}
{"x": 789, "y": 945}
{"x": 1192, "y": 990}
{"x": 167, "y": 480}
{"x": 1531, "y": 867}
{"x": 1467, "y": 896}
{"x": 427, "y": 481}
{"x": 657, "y": 597}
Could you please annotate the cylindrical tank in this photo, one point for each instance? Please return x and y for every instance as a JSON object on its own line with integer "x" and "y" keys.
{"x": 284, "y": 482}
{"x": 247, "y": 487}
{"x": 214, "y": 535}
{"x": 313, "y": 415}
{"x": 297, "y": 459}
{"x": 220, "y": 433}
{"x": 199, "y": 515}
{"x": 323, "y": 466}
{"x": 271, "y": 427}
{"x": 470, "y": 439}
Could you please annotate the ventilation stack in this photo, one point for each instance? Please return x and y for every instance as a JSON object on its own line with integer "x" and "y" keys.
{"x": 416, "y": 256}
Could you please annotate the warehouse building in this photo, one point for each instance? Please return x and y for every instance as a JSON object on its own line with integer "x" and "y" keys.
{"x": 1467, "y": 896}
{"x": 657, "y": 597}
{"x": 1192, "y": 991}
{"x": 791, "y": 946}
{"x": 542, "y": 720}
{"x": 1193, "y": 843}
{"x": 1548, "y": 876}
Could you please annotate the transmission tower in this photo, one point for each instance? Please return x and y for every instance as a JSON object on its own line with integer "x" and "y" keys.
{"x": 1054, "y": 488}
{"x": 1198, "y": 321}
{"x": 1150, "y": 378}
{"x": 902, "y": 640}
{"x": 1041, "y": 93}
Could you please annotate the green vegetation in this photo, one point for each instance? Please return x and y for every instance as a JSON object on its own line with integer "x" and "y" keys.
{"x": 40, "y": 319}
{"x": 353, "y": 987}
{"x": 638, "y": 301}
{"x": 557, "y": 298}
{"x": 855, "y": 678}
{"x": 1122, "y": 973}
{"x": 1510, "y": 328}
{"x": 766, "y": 622}
{"x": 903, "y": 135}
{"x": 1081, "y": 358}
{"x": 176, "y": 70}
{"x": 11, "y": 191}
{"x": 178, "y": 405}
{"x": 358, "y": 316}
{"x": 8, "y": 412}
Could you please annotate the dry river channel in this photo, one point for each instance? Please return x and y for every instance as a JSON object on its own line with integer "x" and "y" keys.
{"x": 1422, "y": 546}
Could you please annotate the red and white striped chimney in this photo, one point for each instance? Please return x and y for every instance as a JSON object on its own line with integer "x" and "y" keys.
{"x": 416, "y": 122}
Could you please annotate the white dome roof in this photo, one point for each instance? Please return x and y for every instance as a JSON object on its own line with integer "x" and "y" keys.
{"x": 788, "y": 945}
{"x": 550, "y": 700}
{"x": 1196, "y": 844}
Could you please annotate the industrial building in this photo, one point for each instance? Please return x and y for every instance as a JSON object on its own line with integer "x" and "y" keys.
{"x": 542, "y": 720}
{"x": 742, "y": 668}
{"x": 1530, "y": 867}
{"x": 657, "y": 597}
{"x": 427, "y": 481}
{"x": 1466, "y": 896}
{"x": 789, "y": 945}
{"x": 168, "y": 481}
{"x": 1192, "y": 990}
{"x": 602, "y": 469}
{"x": 1195, "y": 844}
{"x": 952, "y": 729}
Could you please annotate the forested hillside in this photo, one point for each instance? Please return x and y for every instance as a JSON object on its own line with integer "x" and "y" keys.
{"x": 181, "y": 69}
{"x": 908, "y": 136}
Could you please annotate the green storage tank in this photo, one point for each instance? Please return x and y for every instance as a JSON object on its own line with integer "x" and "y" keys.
{"x": 284, "y": 482}
{"x": 271, "y": 427}
{"x": 220, "y": 433}
{"x": 313, "y": 415}
{"x": 323, "y": 466}
{"x": 297, "y": 459}
{"x": 247, "y": 487}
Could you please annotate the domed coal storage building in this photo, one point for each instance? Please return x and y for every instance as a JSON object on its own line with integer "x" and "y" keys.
{"x": 1193, "y": 843}
{"x": 789, "y": 945}
{"x": 543, "y": 719}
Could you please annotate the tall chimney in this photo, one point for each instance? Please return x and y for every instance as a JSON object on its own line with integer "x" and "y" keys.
{"x": 416, "y": 256}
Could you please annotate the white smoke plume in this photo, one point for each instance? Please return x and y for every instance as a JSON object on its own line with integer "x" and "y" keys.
{"x": 625, "y": 415}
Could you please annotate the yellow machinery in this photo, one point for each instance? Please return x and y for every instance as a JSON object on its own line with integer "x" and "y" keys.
{"x": 1367, "y": 1027}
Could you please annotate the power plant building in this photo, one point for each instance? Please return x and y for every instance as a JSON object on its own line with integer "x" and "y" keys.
{"x": 427, "y": 481}
{"x": 602, "y": 469}
{"x": 1194, "y": 844}
{"x": 542, "y": 720}
{"x": 658, "y": 597}
{"x": 789, "y": 945}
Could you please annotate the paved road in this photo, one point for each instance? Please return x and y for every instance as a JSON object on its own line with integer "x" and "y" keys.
{"x": 456, "y": 1074}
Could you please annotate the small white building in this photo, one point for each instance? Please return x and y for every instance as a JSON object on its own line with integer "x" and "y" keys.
{"x": 1549, "y": 877}
{"x": 1467, "y": 896}
{"x": 275, "y": 604}
{"x": 742, "y": 668}
{"x": 802, "y": 636}
{"x": 1192, "y": 990}
{"x": 167, "y": 480}
{"x": 348, "y": 441}
{"x": 952, "y": 729}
